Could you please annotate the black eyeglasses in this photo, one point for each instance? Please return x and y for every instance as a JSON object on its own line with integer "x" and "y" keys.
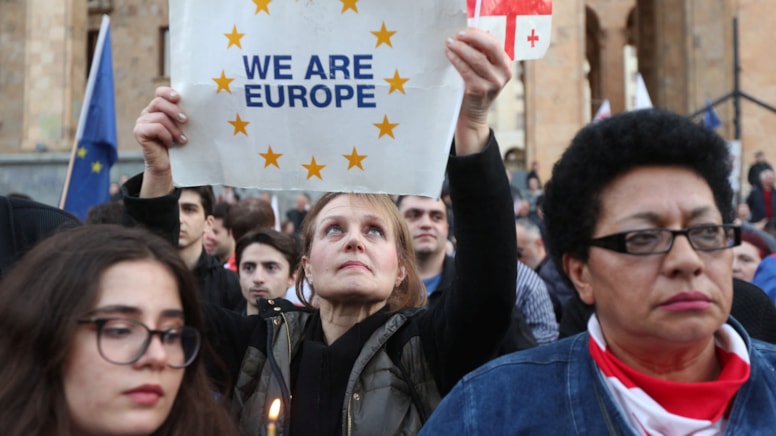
{"x": 709, "y": 237}
{"x": 123, "y": 341}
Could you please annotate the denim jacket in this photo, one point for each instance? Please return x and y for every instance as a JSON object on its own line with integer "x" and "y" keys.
{"x": 557, "y": 389}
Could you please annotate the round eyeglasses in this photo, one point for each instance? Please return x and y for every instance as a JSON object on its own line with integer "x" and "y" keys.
{"x": 123, "y": 341}
{"x": 707, "y": 237}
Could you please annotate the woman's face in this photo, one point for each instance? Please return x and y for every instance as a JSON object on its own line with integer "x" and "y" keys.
{"x": 657, "y": 300}
{"x": 353, "y": 258}
{"x": 746, "y": 258}
{"x": 106, "y": 398}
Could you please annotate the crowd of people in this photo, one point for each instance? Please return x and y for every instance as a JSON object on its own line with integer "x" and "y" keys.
{"x": 623, "y": 296}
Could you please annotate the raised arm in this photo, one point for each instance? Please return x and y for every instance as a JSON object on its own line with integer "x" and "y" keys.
{"x": 157, "y": 129}
{"x": 484, "y": 67}
{"x": 466, "y": 329}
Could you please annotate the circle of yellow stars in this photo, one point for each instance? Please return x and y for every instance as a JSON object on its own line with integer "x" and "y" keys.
{"x": 355, "y": 160}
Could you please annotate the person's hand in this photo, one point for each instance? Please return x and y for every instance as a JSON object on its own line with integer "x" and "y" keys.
{"x": 157, "y": 129}
{"x": 485, "y": 68}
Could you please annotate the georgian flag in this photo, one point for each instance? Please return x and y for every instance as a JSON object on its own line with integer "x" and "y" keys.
{"x": 524, "y": 25}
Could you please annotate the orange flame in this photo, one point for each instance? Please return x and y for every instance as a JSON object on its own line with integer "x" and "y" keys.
{"x": 274, "y": 409}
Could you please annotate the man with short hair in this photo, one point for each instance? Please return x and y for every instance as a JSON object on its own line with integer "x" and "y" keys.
{"x": 427, "y": 221}
{"x": 267, "y": 262}
{"x": 531, "y": 251}
{"x": 219, "y": 241}
{"x": 217, "y": 285}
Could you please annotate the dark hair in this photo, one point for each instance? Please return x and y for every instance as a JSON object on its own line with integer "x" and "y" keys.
{"x": 410, "y": 292}
{"x": 105, "y": 213}
{"x": 249, "y": 214}
{"x": 206, "y": 196}
{"x": 400, "y": 199}
{"x": 604, "y": 150}
{"x": 41, "y": 300}
{"x": 281, "y": 242}
{"x": 221, "y": 210}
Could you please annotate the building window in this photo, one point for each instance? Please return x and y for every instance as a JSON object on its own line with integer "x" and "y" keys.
{"x": 91, "y": 46}
{"x": 100, "y": 6}
{"x": 164, "y": 52}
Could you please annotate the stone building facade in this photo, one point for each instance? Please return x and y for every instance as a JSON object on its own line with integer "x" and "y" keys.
{"x": 683, "y": 47}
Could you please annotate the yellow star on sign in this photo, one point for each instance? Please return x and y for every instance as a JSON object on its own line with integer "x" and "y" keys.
{"x": 223, "y": 83}
{"x": 397, "y": 82}
{"x": 234, "y": 37}
{"x": 386, "y": 127}
{"x": 383, "y": 36}
{"x": 96, "y": 167}
{"x": 354, "y": 159}
{"x": 262, "y": 5}
{"x": 81, "y": 152}
{"x": 270, "y": 157}
{"x": 349, "y": 4}
{"x": 313, "y": 169}
{"x": 239, "y": 125}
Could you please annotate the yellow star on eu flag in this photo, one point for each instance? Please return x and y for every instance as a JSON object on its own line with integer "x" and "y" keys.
{"x": 234, "y": 38}
{"x": 354, "y": 159}
{"x": 96, "y": 167}
{"x": 397, "y": 82}
{"x": 314, "y": 169}
{"x": 383, "y": 36}
{"x": 262, "y": 5}
{"x": 81, "y": 152}
{"x": 239, "y": 125}
{"x": 386, "y": 127}
{"x": 223, "y": 83}
{"x": 270, "y": 157}
{"x": 349, "y": 4}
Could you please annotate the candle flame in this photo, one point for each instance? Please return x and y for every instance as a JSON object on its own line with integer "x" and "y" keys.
{"x": 274, "y": 409}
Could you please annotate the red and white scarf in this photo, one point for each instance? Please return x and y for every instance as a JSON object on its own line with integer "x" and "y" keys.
{"x": 659, "y": 407}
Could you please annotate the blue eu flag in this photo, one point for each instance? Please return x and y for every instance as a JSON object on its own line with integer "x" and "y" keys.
{"x": 88, "y": 181}
{"x": 710, "y": 117}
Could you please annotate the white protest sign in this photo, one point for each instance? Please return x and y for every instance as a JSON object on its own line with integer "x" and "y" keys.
{"x": 347, "y": 95}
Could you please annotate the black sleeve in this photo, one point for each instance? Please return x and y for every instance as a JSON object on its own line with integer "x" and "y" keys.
{"x": 229, "y": 333}
{"x": 466, "y": 329}
{"x": 159, "y": 215}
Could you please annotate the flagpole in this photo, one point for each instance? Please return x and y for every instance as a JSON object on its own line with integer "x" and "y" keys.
{"x": 477, "y": 8}
{"x": 85, "y": 105}
{"x": 736, "y": 94}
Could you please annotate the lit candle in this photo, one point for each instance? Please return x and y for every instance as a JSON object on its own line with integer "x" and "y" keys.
{"x": 274, "y": 412}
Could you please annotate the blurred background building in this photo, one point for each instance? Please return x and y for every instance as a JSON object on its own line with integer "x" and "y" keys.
{"x": 682, "y": 48}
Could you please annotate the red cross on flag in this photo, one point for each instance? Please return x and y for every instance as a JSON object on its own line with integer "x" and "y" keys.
{"x": 524, "y": 25}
